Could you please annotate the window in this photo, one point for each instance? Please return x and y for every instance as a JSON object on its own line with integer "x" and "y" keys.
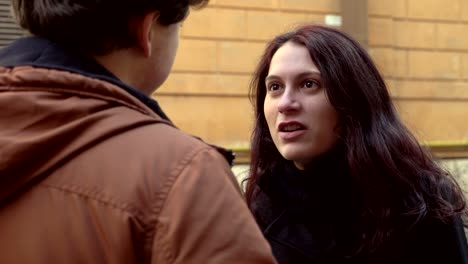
{"x": 9, "y": 31}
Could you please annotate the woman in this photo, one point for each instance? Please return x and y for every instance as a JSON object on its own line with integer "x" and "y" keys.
{"x": 335, "y": 175}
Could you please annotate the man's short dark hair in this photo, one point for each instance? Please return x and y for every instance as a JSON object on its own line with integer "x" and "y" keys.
{"x": 95, "y": 26}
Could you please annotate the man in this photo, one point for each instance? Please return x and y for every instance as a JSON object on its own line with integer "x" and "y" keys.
{"x": 91, "y": 169}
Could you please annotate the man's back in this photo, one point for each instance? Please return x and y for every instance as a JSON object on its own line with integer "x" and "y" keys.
{"x": 90, "y": 174}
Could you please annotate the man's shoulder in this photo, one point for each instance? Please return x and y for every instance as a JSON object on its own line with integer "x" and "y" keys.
{"x": 164, "y": 139}
{"x": 137, "y": 168}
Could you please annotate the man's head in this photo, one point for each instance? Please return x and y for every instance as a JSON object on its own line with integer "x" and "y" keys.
{"x": 95, "y": 27}
{"x": 135, "y": 39}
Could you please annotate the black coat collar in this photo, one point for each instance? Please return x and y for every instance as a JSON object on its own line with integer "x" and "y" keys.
{"x": 323, "y": 183}
{"x": 310, "y": 212}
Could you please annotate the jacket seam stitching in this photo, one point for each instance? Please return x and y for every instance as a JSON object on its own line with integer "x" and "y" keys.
{"x": 99, "y": 197}
{"x": 163, "y": 195}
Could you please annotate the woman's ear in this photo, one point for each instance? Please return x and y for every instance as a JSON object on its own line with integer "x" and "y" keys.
{"x": 144, "y": 32}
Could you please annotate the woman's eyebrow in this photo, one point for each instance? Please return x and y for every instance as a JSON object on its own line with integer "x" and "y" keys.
{"x": 300, "y": 75}
{"x": 309, "y": 73}
{"x": 272, "y": 77}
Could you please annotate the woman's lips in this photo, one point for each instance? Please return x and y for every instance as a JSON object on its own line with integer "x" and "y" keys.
{"x": 291, "y": 130}
{"x": 291, "y": 135}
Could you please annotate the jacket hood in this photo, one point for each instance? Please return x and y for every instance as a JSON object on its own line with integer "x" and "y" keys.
{"x": 54, "y": 105}
{"x": 50, "y": 114}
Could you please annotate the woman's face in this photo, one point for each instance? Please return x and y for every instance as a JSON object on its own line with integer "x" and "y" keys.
{"x": 299, "y": 115}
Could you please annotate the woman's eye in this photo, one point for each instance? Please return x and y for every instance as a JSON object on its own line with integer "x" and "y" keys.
{"x": 310, "y": 84}
{"x": 273, "y": 87}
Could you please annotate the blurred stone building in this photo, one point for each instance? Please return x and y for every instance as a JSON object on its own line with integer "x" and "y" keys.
{"x": 420, "y": 46}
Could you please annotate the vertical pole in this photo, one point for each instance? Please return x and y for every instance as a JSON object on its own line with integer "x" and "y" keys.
{"x": 355, "y": 20}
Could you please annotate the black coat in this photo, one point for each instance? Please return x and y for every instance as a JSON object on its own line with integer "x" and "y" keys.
{"x": 312, "y": 217}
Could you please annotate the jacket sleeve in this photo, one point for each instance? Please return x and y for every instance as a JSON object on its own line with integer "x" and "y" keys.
{"x": 205, "y": 219}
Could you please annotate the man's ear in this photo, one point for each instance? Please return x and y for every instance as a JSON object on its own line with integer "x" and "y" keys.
{"x": 144, "y": 32}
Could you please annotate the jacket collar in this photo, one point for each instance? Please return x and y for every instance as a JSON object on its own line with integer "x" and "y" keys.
{"x": 42, "y": 53}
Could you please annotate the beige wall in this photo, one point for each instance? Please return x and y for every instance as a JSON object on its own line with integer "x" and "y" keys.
{"x": 421, "y": 47}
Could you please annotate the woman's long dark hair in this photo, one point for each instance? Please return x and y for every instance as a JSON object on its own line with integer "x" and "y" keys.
{"x": 398, "y": 180}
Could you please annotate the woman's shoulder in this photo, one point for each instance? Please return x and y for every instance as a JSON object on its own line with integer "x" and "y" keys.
{"x": 431, "y": 240}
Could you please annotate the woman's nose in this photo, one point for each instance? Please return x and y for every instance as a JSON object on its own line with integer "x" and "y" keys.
{"x": 288, "y": 102}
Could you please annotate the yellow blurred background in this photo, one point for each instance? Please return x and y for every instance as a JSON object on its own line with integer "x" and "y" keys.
{"x": 420, "y": 46}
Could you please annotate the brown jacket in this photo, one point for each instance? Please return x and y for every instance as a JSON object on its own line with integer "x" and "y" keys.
{"x": 91, "y": 174}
